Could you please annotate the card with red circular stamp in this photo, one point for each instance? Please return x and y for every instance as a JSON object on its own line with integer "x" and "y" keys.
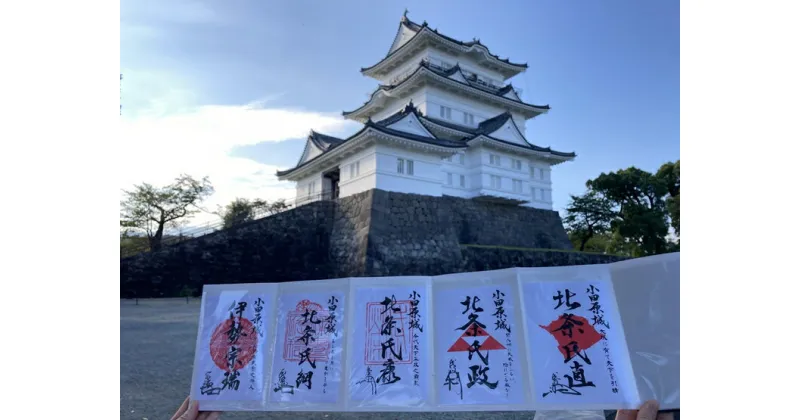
{"x": 229, "y": 362}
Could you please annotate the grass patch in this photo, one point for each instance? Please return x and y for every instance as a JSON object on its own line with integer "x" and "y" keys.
{"x": 519, "y": 248}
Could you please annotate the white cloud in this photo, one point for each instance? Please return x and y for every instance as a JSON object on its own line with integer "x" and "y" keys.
{"x": 170, "y": 136}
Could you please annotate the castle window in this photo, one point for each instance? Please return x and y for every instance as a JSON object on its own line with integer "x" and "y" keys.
{"x": 405, "y": 166}
{"x": 445, "y": 112}
{"x": 517, "y": 185}
{"x": 496, "y": 182}
{"x": 469, "y": 119}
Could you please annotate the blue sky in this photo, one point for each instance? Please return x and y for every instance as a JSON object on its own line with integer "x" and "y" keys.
{"x": 230, "y": 88}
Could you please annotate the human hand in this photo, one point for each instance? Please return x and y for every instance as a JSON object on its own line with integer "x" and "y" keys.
{"x": 648, "y": 411}
{"x": 189, "y": 410}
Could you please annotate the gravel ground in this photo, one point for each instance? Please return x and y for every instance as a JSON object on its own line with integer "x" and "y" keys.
{"x": 157, "y": 340}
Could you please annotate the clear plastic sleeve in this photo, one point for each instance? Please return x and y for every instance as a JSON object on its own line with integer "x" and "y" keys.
{"x": 579, "y": 358}
{"x": 308, "y": 358}
{"x": 234, "y": 341}
{"x": 566, "y": 342}
{"x": 569, "y": 415}
{"x": 390, "y": 348}
{"x": 479, "y": 359}
{"x": 648, "y": 292}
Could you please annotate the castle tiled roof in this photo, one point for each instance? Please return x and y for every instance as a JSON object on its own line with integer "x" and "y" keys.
{"x": 423, "y": 28}
{"x": 329, "y": 143}
{"x": 324, "y": 141}
{"x": 485, "y": 128}
{"x": 425, "y": 66}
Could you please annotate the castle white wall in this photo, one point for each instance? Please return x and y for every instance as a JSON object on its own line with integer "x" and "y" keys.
{"x": 541, "y": 186}
{"x": 455, "y": 169}
{"x": 426, "y": 176}
{"x": 443, "y": 59}
{"x": 434, "y": 98}
{"x": 483, "y": 171}
{"x": 395, "y": 105}
{"x": 467, "y": 63}
{"x": 405, "y": 69}
{"x": 311, "y": 152}
{"x": 364, "y": 174}
{"x": 411, "y": 124}
{"x": 509, "y": 133}
{"x": 309, "y": 188}
{"x": 501, "y": 165}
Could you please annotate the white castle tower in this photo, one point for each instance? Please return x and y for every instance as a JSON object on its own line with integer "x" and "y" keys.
{"x": 443, "y": 121}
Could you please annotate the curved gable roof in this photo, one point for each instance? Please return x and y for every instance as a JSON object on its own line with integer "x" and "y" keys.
{"x": 324, "y": 141}
{"x": 334, "y": 142}
{"x": 484, "y": 129}
{"x": 425, "y": 66}
{"x": 425, "y": 30}
{"x": 317, "y": 144}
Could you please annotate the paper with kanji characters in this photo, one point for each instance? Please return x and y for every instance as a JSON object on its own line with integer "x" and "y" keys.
{"x": 576, "y": 344}
{"x": 307, "y": 360}
{"x": 230, "y": 359}
{"x": 389, "y": 355}
{"x": 476, "y": 346}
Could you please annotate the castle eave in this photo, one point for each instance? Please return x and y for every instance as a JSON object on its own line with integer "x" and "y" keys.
{"x": 424, "y": 75}
{"x": 552, "y": 156}
{"x": 426, "y": 36}
{"x": 366, "y": 137}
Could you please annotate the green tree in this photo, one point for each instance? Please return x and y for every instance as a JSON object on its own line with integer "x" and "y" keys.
{"x": 150, "y": 209}
{"x": 277, "y": 206}
{"x": 641, "y": 211}
{"x": 238, "y": 211}
{"x": 588, "y": 215}
{"x": 242, "y": 210}
{"x": 670, "y": 174}
{"x": 608, "y": 243}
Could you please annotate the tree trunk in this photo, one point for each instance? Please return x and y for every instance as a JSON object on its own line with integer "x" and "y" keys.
{"x": 155, "y": 241}
{"x": 586, "y": 238}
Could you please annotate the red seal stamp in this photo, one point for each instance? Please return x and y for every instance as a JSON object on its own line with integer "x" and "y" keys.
{"x": 573, "y": 334}
{"x": 297, "y": 339}
{"x": 233, "y": 343}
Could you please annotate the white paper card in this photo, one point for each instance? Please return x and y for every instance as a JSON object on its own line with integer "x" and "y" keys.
{"x": 230, "y": 357}
{"x": 306, "y": 364}
{"x": 476, "y": 346}
{"x": 388, "y": 360}
{"x": 577, "y": 346}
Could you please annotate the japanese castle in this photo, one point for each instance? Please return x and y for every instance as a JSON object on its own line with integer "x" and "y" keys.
{"x": 443, "y": 121}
